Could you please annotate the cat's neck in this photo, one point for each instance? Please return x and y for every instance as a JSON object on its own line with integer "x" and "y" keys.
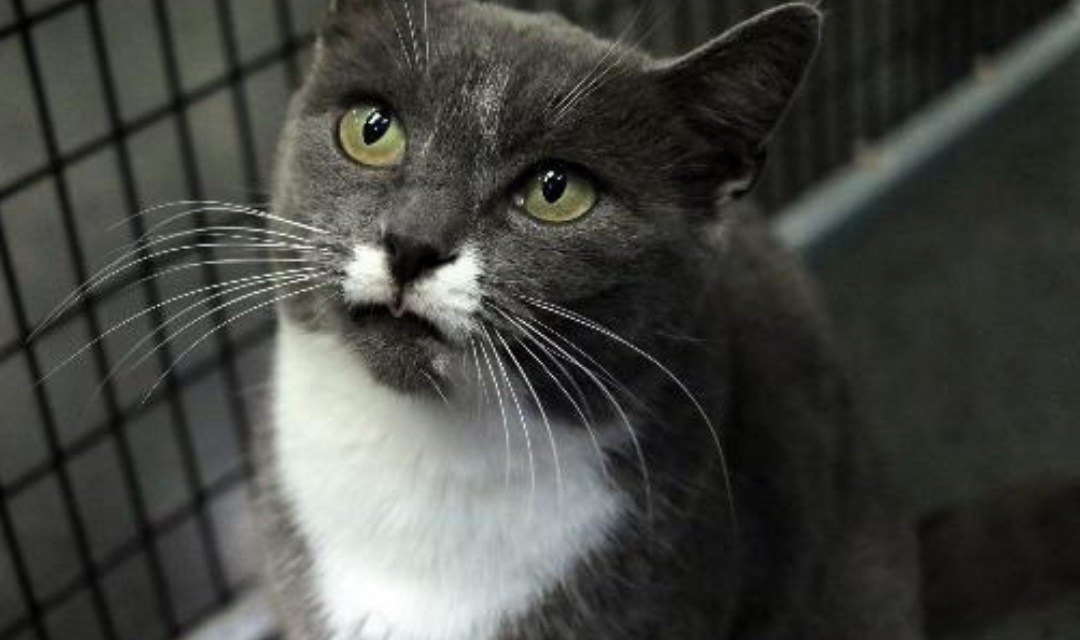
{"x": 423, "y": 522}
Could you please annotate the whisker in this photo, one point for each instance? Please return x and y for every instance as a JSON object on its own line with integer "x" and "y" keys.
{"x": 324, "y": 308}
{"x": 558, "y": 363}
{"x": 598, "y": 367}
{"x": 521, "y": 416}
{"x": 562, "y": 388}
{"x": 606, "y": 76}
{"x": 222, "y": 325}
{"x": 438, "y": 389}
{"x": 251, "y": 234}
{"x": 156, "y": 255}
{"x": 253, "y": 231}
{"x": 169, "y": 205}
{"x": 502, "y": 409}
{"x": 543, "y": 417}
{"x": 427, "y": 40}
{"x": 159, "y": 329}
{"x": 114, "y": 268}
{"x": 226, "y": 287}
{"x": 401, "y": 38}
{"x": 611, "y": 335}
{"x": 217, "y": 308}
{"x": 623, "y": 416}
{"x": 563, "y": 105}
{"x": 212, "y": 206}
{"x": 481, "y": 383}
{"x": 412, "y": 31}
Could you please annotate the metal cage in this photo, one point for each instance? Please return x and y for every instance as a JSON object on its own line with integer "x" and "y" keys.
{"x": 126, "y": 516}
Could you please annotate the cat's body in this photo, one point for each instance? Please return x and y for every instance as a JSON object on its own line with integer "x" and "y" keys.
{"x": 555, "y": 471}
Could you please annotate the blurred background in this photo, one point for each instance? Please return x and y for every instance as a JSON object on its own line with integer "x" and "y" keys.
{"x": 928, "y": 173}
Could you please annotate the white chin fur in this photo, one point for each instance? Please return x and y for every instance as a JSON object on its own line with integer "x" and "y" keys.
{"x": 449, "y": 297}
{"x": 417, "y": 527}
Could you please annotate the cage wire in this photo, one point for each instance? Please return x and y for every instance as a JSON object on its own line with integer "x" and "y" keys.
{"x": 128, "y": 517}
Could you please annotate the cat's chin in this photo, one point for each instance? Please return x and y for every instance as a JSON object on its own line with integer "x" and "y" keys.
{"x": 404, "y": 353}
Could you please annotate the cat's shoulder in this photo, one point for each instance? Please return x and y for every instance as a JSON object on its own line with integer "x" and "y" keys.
{"x": 751, "y": 266}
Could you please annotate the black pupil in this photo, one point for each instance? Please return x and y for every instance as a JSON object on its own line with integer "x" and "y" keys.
{"x": 553, "y": 182}
{"x": 378, "y": 123}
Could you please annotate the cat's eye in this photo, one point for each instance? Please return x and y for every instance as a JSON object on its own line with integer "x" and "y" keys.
{"x": 373, "y": 136}
{"x": 558, "y": 194}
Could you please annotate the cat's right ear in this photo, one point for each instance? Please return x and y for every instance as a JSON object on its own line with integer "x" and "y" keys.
{"x": 735, "y": 90}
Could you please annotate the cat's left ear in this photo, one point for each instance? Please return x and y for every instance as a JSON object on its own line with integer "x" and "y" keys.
{"x": 736, "y": 89}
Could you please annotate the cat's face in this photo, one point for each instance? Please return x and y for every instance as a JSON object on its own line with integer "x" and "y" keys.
{"x": 464, "y": 163}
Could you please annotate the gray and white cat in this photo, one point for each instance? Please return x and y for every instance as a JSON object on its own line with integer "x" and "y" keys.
{"x": 553, "y": 380}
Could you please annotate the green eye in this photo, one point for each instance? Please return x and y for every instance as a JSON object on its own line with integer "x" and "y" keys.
{"x": 558, "y": 194}
{"x": 372, "y": 136}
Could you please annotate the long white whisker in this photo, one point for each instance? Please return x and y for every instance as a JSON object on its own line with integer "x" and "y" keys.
{"x": 562, "y": 388}
{"x": 590, "y": 429}
{"x": 438, "y": 389}
{"x": 427, "y": 40}
{"x": 558, "y": 364}
{"x": 324, "y": 308}
{"x": 401, "y": 38}
{"x": 222, "y": 325}
{"x": 543, "y": 417}
{"x": 115, "y": 268}
{"x": 188, "y": 266}
{"x": 115, "y": 370}
{"x": 231, "y": 262}
{"x": 251, "y": 213}
{"x": 606, "y": 75}
{"x": 412, "y": 31}
{"x": 521, "y": 416}
{"x": 564, "y": 105}
{"x": 253, "y": 231}
{"x": 130, "y": 353}
{"x": 238, "y": 232}
{"x": 156, "y": 255}
{"x": 212, "y": 206}
{"x": 225, "y": 287}
{"x": 139, "y": 245}
{"x": 639, "y": 450}
{"x": 611, "y": 335}
{"x": 213, "y": 311}
{"x": 598, "y": 367}
{"x": 481, "y": 382}
{"x": 171, "y": 205}
{"x": 502, "y": 408}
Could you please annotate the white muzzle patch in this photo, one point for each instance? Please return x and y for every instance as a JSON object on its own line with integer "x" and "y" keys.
{"x": 448, "y": 297}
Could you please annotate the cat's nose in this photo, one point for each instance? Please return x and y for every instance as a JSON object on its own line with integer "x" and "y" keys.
{"x": 411, "y": 258}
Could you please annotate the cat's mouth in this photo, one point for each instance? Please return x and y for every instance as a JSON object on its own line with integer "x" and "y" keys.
{"x": 407, "y": 323}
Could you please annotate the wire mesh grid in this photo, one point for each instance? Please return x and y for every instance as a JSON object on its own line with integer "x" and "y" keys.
{"x": 127, "y": 517}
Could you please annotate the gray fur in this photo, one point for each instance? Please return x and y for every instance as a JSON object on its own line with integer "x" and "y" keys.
{"x": 820, "y": 552}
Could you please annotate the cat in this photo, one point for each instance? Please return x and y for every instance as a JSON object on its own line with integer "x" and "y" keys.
{"x": 550, "y": 376}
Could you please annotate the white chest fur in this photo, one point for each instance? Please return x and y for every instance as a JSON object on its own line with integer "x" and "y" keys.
{"x": 417, "y": 530}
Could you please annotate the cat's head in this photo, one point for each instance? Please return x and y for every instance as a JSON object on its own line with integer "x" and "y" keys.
{"x": 462, "y": 165}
